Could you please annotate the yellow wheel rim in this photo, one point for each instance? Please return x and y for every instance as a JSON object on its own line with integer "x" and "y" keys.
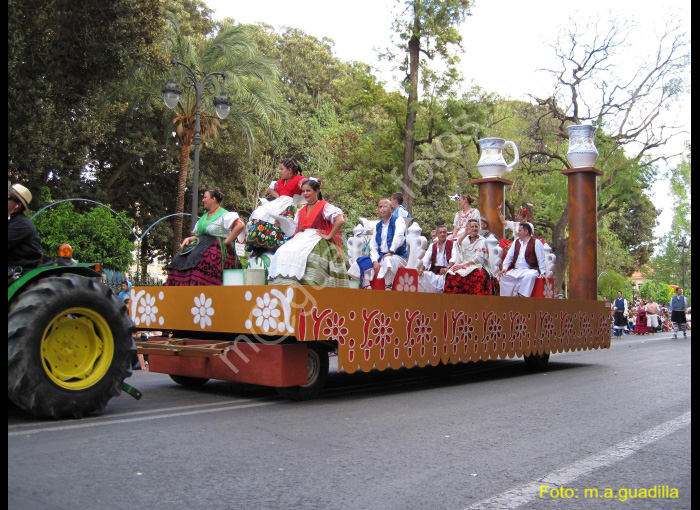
{"x": 77, "y": 348}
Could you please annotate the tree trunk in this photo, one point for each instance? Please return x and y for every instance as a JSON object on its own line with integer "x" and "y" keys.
{"x": 409, "y": 138}
{"x": 180, "y": 202}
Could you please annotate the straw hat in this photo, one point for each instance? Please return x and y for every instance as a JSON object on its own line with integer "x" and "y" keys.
{"x": 22, "y": 193}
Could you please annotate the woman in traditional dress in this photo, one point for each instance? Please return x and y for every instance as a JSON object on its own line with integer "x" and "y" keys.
{"x": 263, "y": 234}
{"x": 466, "y": 212}
{"x": 522, "y": 215}
{"x": 205, "y": 255}
{"x": 640, "y": 327}
{"x": 313, "y": 256}
{"x": 471, "y": 271}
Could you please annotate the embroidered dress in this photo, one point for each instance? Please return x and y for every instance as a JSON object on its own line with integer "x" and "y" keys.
{"x": 262, "y": 231}
{"x": 474, "y": 278}
{"x": 461, "y": 219}
{"x": 307, "y": 258}
{"x": 203, "y": 260}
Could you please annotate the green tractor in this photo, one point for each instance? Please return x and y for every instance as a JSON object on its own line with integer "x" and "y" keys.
{"x": 69, "y": 343}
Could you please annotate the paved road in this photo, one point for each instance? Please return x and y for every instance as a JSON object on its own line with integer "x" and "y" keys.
{"x": 485, "y": 435}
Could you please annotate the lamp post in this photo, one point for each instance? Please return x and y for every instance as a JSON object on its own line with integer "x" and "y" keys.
{"x": 222, "y": 104}
{"x": 683, "y": 248}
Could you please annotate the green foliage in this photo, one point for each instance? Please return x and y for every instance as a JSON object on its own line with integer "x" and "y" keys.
{"x": 610, "y": 282}
{"x": 670, "y": 263}
{"x": 661, "y": 292}
{"x": 95, "y": 234}
{"x": 61, "y": 56}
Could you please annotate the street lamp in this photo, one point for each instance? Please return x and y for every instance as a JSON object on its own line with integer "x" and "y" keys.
{"x": 683, "y": 248}
{"x": 222, "y": 104}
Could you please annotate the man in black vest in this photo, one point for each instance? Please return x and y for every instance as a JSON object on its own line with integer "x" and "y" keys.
{"x": 523, "y": 264}
{"x": 23, "y": 246}
{"x": 436, "y": 262}
{"x": 437, "y": 256}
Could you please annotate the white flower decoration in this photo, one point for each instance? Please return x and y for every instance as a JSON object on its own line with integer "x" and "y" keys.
{"x": 267, "y": 313}
{"x": 548, "y": 288}
{"x": 202, "y": 311}
{"x": 147, "y": 309}
{"x": 406, "y": 283}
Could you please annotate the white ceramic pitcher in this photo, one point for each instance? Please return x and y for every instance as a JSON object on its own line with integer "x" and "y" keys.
{"x": 492, "y": 163}
{"x": 582, "y": 150}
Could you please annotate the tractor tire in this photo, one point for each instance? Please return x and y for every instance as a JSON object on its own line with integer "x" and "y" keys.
{"x": 318, "y": 373}
{"x": 69, "y": 347}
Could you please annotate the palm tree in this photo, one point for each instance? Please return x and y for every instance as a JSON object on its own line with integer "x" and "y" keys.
{"x": 252, "y": 84}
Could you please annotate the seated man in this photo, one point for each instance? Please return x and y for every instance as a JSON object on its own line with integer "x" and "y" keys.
{"x": 436, "y": 262}
{"x": 23, "y": 245}
{"x": 523, "y": 264}
{"x": 388, "y": 250}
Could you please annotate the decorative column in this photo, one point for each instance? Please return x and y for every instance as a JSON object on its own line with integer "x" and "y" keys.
{"x": 583, "y": 232}
{"x": 491, "y": 195}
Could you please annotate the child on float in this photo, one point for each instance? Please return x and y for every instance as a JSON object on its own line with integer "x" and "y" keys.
{"x": 262, "y": 233}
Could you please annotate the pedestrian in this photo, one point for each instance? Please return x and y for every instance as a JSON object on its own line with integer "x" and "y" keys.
{"x": 124, "y": 293}
{"x": 652, "y": 315}
{"x": 619, "y": 308}
{"x": 679, "y": 306}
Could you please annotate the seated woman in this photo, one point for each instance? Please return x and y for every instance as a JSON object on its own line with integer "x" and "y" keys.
{"x": 313, "y": 255}
{"x": 205, "y": 255}
{"x": 263, "y": 234}
{"x": 470, "y": 273}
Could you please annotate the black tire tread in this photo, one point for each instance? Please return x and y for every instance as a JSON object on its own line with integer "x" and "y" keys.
{"x": 28, "y": 314}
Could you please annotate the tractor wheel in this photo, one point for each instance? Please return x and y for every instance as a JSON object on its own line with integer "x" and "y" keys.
{"x": 318, "y": 373}
{"x": 69, "y": 347}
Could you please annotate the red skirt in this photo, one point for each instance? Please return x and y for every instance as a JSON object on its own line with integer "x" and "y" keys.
{"x": 641, "y": 325}
{"x": 477, "y": 282}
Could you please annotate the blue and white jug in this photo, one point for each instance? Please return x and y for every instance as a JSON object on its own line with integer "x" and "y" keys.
{"x": 492, "y": 163}
{"x": 582, "y": 151}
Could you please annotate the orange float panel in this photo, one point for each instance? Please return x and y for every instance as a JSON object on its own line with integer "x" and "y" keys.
{"x": 380, "y": 329}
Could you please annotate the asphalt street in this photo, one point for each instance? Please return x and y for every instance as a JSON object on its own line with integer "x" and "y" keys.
{"x": 478, "y": 435}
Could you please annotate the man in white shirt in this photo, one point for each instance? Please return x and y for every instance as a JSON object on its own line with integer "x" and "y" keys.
{"x": 436, "y": 262}
{"x": 388, "y": 244}
{"x": 388, "y": 251}
{"x": 523, "y": 264}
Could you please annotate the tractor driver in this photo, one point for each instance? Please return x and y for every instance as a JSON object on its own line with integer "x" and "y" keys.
{"x": 23, "y": 246}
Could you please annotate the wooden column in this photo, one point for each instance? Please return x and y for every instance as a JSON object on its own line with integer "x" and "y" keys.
{"x": 491, "y": 195}
{"x": 583, "y": 232}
